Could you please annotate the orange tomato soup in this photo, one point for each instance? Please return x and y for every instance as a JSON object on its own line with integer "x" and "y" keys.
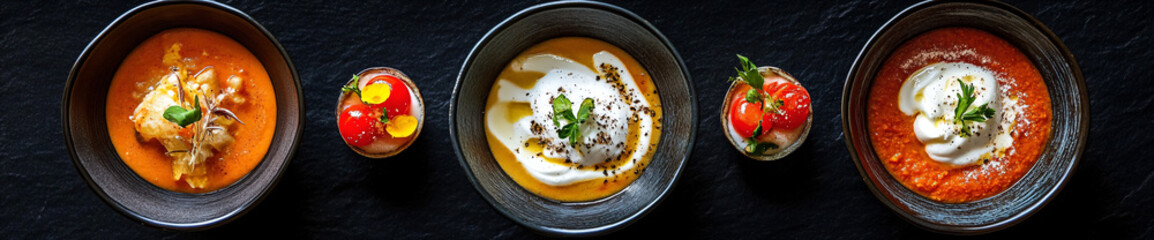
{"x": 199, "y": 49}
{"x": 905, "y": 157}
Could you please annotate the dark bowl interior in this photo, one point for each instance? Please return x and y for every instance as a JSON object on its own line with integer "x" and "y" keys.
{"x": 589, "y": 19}
{"x": 1053, "y": 168}
{"x": 86, "y": 133}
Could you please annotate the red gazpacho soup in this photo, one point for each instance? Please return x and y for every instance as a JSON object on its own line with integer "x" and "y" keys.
{"x": 958, "y": 114}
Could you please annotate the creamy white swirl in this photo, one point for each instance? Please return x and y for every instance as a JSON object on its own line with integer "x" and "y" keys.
{"x": 931, "y": 95}
{"x": 603, "y": 135}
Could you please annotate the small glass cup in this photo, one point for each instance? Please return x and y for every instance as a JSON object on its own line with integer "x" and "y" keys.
{"x": 739, "y": 143}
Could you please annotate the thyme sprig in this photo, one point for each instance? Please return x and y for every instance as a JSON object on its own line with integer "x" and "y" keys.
{"x": 207, "y": 125}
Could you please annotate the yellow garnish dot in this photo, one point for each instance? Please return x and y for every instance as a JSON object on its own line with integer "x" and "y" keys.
{"x": 401, "y": 126}
{"x": 376, "y": 93}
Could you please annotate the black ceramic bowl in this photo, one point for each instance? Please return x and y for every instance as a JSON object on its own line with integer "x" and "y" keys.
{"x": 602, "y": 21}
{"x": 1062, "y": 151}
{"x": 86, "y": 132}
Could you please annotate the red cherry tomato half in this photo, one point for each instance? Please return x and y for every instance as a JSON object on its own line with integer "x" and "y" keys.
{"x": 772, "y": 88}
{"x": 399, "y": 101}
{"x": 358, "y": 125}
{"x": 795, "y": 105}
{"x": 744, "y": 116}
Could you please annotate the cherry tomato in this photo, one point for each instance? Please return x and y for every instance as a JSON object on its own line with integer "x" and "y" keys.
{"x": 398, "y": 100}
{"x": 744, "y": 117}
{"x": 772, "y": 88}
{"x": 795, "y": 105}
{"x": 358, "y": 125}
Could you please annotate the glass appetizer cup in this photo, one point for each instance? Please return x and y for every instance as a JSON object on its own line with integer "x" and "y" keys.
{"x": 739, "y": 143}
{"x": 417, "y": 105}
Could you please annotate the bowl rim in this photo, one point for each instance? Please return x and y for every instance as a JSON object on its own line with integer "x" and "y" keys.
{"x": 522, "y": 14}
{"x": 1029, "y": 209}
{"x": 209, "y": 223}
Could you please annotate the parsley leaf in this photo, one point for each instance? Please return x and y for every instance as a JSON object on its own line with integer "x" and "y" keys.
{"x": 183, "y": 117}
{"x": 748, "y": 72}
{"x": 979, "y": 114}
{"x": 963, "y": 114}
{"x": 964, "y": 99}
{"x": 751, "y": 76}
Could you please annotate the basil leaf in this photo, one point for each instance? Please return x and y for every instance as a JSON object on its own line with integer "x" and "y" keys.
{"x": 563, "y": 110}
{"x": 565, "y": 131}
{"x": 561, "y": 106}
{"x": 575, "y": 134}
{"x": 586, "y": 109}
{"x": 183, "y": 117}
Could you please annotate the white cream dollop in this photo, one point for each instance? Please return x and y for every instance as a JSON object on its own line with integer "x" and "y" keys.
{"x": 603, "y": 135}
{"x": 931, "y": 95}
{"x": 609, "y": 116}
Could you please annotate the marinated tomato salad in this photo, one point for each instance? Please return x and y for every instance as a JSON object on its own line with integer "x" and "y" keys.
{"x": 379, "y": 116}
{"x": 769, "y": 117}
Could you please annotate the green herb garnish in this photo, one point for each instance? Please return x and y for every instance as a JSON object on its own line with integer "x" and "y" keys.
{"x": 752, "y": 96}
{"x": 352, "y": 86}
{"x": 183, "y": 117}
{"x": 751, "y": 76}
{"x": 758, "y": 148}
{"x": 563, "y": 110}
{"x": 585, "y": 110}
{"x": 964, "y": 114}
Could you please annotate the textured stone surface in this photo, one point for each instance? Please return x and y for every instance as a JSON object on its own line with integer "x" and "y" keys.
{"x": 330, "y": 192}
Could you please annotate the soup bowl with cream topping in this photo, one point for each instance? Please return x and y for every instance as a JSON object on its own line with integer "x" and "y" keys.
{"x": 579, "y": 22}
{"x": 957, "y": 184}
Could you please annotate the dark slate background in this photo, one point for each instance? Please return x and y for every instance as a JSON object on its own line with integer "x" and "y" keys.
{"x": 330, "y": 192}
